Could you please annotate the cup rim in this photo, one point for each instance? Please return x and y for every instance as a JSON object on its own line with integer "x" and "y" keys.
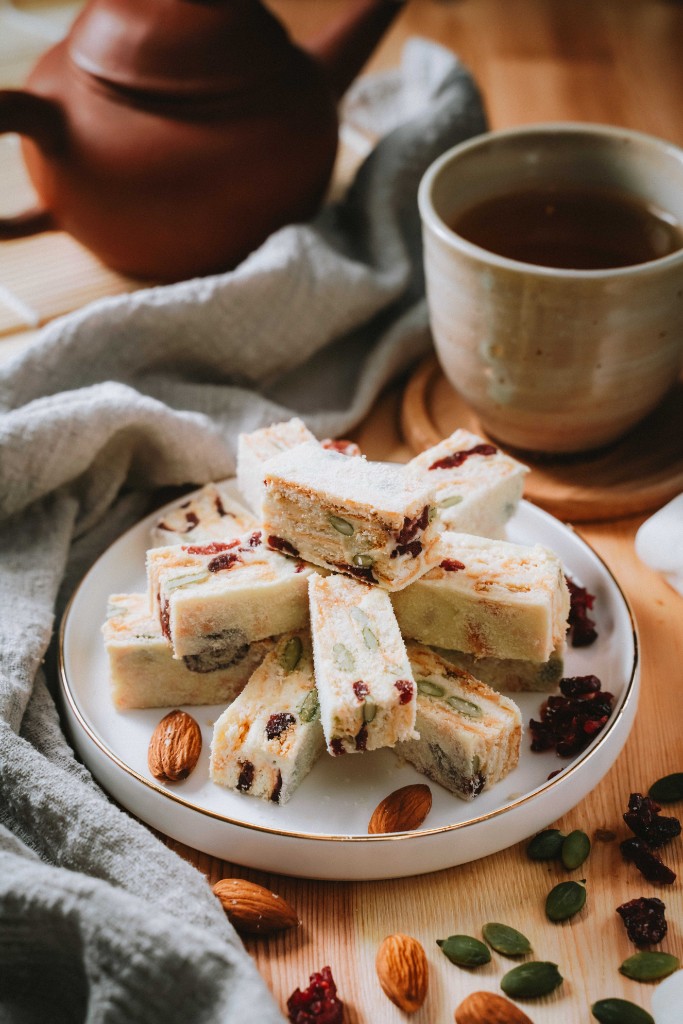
{"x": 431, "y": 218}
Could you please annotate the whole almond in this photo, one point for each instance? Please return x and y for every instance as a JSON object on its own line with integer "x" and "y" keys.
{"x": 253, "y": 909}
{"x": 402, "y": 811}
{"x": 489, "y": 1008}
{"x": 175, "y": 747}
{"x": 403, "y": 972}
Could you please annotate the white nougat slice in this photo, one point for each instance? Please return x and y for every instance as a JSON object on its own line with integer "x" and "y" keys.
{"x": 477, "y": 486}
{"x": 469, "y": 735}
{"x": 144, "y": 674}
{"x": 270, "y": 737}
{"x": 513, "y": 674}
{"x": 489, "y": 598}
{"x": 210, "y": 514}
{"x": 365, "y": 686}
{"x": 212, "y": 599}
{"x": 369, "y": 520}
{"x": 255, "y": 448}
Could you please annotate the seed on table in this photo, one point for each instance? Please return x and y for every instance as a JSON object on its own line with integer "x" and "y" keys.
{"x": 505, "y": 940}
{"x": 575, "y": 849}
{"x": 649, "y": 966}
{"x": 668, "y": 789}
{"x": 620, "y": 1011}
{"x": 565, "y": 900}
{"x": 464, "y": 950}
{"x": 531, "y": 980}
{"x": 547, "y": 845}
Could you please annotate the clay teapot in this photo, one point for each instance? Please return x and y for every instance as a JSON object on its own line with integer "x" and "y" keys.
{"x": 171, "y": 137}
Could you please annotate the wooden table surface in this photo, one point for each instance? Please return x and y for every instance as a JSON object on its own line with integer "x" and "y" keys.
{"x": 613, "y": 61}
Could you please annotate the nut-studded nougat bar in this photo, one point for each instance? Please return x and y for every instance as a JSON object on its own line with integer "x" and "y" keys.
{"x": 365, "y": 686}
{"x": 477, "y": 486}
{"x": 510, "y": 673}
{"x": 366, "y": 519}
{"x": 489, "y": 598}
{"x": 469, "y": 735}
{"x": 269, "y": 738}
{"x": 214, "y": 598}
{"x": 210, "y": 514}
{"x": 144, "y": 673}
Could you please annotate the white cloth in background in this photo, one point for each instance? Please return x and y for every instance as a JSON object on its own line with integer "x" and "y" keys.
{"x": 659, "y": 542}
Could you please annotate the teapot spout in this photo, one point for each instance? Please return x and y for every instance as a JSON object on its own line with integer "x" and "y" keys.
{"x": 344, "y": 47}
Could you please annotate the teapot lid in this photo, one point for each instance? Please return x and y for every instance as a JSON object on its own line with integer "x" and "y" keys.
{"x": 179, "y": 47}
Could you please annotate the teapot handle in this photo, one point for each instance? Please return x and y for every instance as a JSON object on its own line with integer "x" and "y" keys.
{"x": 41, "y": 120}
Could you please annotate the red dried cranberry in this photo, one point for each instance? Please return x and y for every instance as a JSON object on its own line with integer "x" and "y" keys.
{"x": 337, "y": 748}
{"x": 360, "y": 572}
{"x": 362, "y": 738}
{"x": 279, "y": 723}
{"x": 255, "y": 539}
{"x": 361, "y": 689}
{"x": 214, "y": 548}
{"x": 246, "y": 776}
{"x": 457, "y": 458}
{"x": 644, "y": 920}
{"x": 275, "y": 795}
{"x": 300, "y": 566}
{"x": 413, "y": 548}
{"x": 165, "y": 619}
{"x": 644, "y": 819}
{"x": 405, "y": 690}
{"x": 411, "y": 526}
{"x": 451, "y": 565}
{"x": 224, "y": 561}
{"x": 647, "y": 861}
{"x": 581, "y": 631}
{"x": 570, "y": 721}
{"x": 220, "y": 508}
{"x": 342, "y": 446}
{"x": 282, "y": 545}
{"x": 318, "y": 1004}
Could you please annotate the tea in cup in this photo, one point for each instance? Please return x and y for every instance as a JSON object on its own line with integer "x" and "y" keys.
{"x": 554, "y": 271}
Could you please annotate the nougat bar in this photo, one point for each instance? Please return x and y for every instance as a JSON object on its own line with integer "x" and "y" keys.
{"x": 477, "y": 486}
{"x": 210, "y": 514}
{"x": 270, "y": 737}
{"x": 512, "y": 674}
{"x": 490, "y": 598}
{"x": 469, "y": 735}
{"x": 365, "y": 686}
{"x": 367, "y": 519}
{"x": 144, "y": 674}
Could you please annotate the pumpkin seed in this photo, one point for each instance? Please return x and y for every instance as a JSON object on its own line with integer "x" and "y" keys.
{"x": 667, "y": 790}
{"x": 291, "y": 654}
{"x": 371, "y": 641}
{"x": 343, "y": 658}
{"x": 186, "y": 579}
{"x": 531, "y": 979}
{"x": 359, "y": 615}
{"x": 340, "y": 525}
{"x": 649, "y": 965}
{"x": 429, "y": 689}
{"x": 432, "y": 514}
{"x": 565, "y": 900}
{"x": 465, "y": 707}
{"x": 547, "y": 845}
{"x": 369, "y": 711}
{"x": 506, "y": 940}
{"x": 309, "y": 709}
{"x": 464, "y": 951}
{"x": 620, "y": 1011}
{"x": 453, "y": 499}
{"x": 575, "y": 849}
{"x": 363, "y": 560}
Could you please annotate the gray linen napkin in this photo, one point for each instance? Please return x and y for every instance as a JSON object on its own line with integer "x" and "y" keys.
{"x": 99, "y": 921}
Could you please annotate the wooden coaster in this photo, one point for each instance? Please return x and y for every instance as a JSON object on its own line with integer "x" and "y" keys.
{"x": 639, "y": 473}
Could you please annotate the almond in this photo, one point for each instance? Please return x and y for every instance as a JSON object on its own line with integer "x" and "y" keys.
{"x": 175, "y": 747}
{"x": 253, "y": 909}
{"x": 489, "y": 1008}
{"x": 403, "y": 810}
{"x": 403, "y": 972}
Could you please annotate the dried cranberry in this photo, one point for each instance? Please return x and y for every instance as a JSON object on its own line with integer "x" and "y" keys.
{"x": 360, "y": 572}
{"x": 342, "y": 446}
{"x": 647, "y": 861}
{"x": 644, "y": 819}
{"x": 644, "y": 920}
{"x": 246, "y": 776}
{"x": 570, "y": 720}
{"x": 457, "y": 458}
{"x": 192, "y": 520}
{"x": 220, "y": 508}
{"x": 581, "y": 631}
{"x": 451, "y": 565}
{"x": 318, "y": 1004}
{"x": 214, "y": 548}
{"x": 362, "y": 738}
{"x": 165, "y": 618}
{"x": 279, "y": 723}
{"x": 405, "y": 691}
{"x": 337, "y": 748}
{"x": 282, "y": 545}
{"x": 414, "y": 547}
{"x": 275, "y": 795}
{"x": 361, "y": 689}
{"x": 255, "y": 539}
{"x": 411, "y": 526}
{"x": 224, "y": 561}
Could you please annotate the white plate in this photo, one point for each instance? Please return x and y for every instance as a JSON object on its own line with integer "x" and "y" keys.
{"x": 322, "y": 831}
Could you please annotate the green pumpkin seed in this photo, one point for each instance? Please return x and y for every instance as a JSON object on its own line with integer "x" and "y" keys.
{"x": 309, "y": 709}
{"x": 432, "y": 514}
{"x": 620, "y": 1011}
{"x": 365, "y": 561}
{"x": 343, "y": 658}
{"x": 465, "y": 707}
{"x": 667, "y": 790}
{"x": 464, "y": 951}
{"x": 565, "y": 900}
{"x": 340, "y": 525}
{"x": 187, "y": 579}
{"x": 575, "y": 849}
{"x": 530, "y": 980}
{"x": 291, "y": 654}
{"x": 429, "y": 689}
{"x": 506, "y": 940}
{"x": 359, "y": 615}
{"x": 453, "y": 499}
{"x": 547, "y": 845}
{"x": 369, "y": 711}
{"x": 649, "y": 966}
{"x": 371, "y": 641}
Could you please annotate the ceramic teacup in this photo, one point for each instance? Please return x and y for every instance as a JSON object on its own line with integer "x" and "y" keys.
{"x": 557, "y": 358}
